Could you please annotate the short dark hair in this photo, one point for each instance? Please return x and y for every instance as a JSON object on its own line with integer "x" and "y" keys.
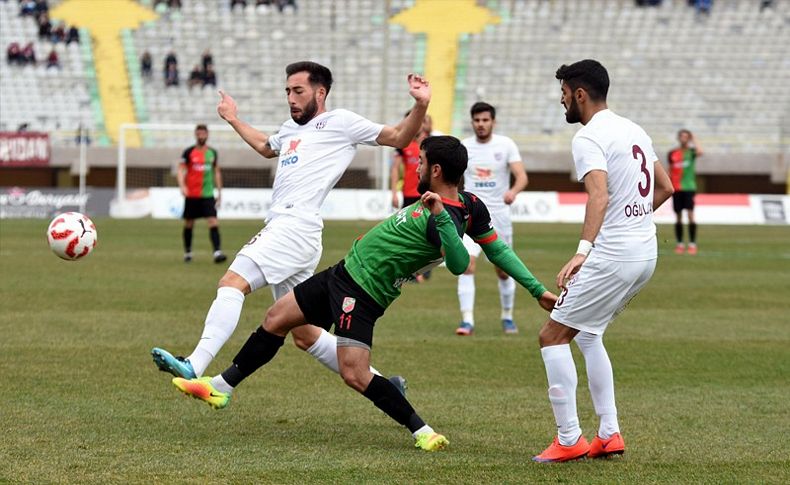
{"x": 449, "y": 153}
{"x": 684, "y": 130}
{"x": 481, "y": 107}
{"x": 201, "y": 127}
{"x": 589, "y": 75}
{"x": 319, "y": 75}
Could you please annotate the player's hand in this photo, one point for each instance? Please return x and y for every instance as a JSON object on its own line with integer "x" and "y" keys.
{"x": 395, "y": 201}
{"x": 226, "y": 108}
{"x": 547, "y": 301}
{"x": 217, "y": 200}
{"x": 419, "y": 88}
{"x": 184, "y": 191}
{"x": 433, "y": 202}
{"x": 510, "y": 196}
{"x": 571, "y": 268}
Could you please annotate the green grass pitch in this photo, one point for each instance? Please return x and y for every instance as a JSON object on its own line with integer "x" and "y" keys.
{"x": 701, "y": 360}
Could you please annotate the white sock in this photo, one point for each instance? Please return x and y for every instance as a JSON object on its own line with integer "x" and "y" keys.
{"x": 507, "y": 295}
{"x": 601, "y": 381}
{"x": 219, "y": 384}
{"x": 561, "y": 374}
{"x": 466, "y": 297}
{"x": 424, "y": 429}
{"x": 221, "y": 321}
{"x": 325, "y": 351}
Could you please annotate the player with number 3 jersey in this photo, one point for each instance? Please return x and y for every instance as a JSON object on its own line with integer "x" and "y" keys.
{"x": 616, "y": 257}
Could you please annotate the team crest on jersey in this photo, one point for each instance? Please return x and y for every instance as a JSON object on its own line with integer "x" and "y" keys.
{"x": 418, "y": 211}
{"x": 348, "y": 304}
{"x": 320, "y": 124}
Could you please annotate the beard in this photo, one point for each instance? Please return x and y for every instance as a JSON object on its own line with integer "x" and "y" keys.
{"x": 423, "y": 186}
{"x": 307, "y": 113}
{"x": 572, "y": 114}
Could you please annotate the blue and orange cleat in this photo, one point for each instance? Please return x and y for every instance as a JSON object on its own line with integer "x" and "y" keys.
{"x": 603, "y": 448}
{"x": 465, "y": 328}
{"x": 558, "y": 453}
{"x": 509, "y": 327}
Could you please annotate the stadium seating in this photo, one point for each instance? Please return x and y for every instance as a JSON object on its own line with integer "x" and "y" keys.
{"x": 49, "y": 100}
{"x": 719, "y": 75}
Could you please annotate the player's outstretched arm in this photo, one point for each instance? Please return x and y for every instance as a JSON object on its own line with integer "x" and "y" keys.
{"x": 456, "y": 256}
{"x": 403, "y": 133}
{"x": 506, "y": 259}
{"x": 258, "y": 140}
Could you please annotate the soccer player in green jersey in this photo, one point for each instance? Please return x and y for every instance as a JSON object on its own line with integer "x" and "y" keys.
{"x": 354, "y": 293}
{"x": 683, "y": 173}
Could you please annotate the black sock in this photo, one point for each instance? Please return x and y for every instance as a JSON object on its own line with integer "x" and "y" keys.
{"x": 679, "y": 232}
{"x": 386, "y": 397}
{"x": 693, "y": 232}
{"x": 214, "y": 234}
{"x": 259, "y": 349}
{"x": 187, "y": 235}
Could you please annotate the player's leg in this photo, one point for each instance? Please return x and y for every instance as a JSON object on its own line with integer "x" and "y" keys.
{"x": 507, "y": 297}
{"x": 466, "y": 289}
{"x": 692, "y": 249}
{"x": 316, "y": 341}
{"x": 243, "y": 277}
{"x": 569, "y": 444}
{"x": 186, "y": 236}
{"x": 210, "y": 208}
{"x": 354, "y": 358}
{"x": 601, "y": 383}
{"x": 260, "y": 348}
{"x": 677, "y": 206}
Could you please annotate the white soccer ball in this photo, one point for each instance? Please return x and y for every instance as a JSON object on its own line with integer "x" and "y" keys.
{"x": 71, "y": 236}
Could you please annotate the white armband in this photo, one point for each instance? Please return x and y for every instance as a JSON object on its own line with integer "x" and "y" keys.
{"x": 584, "y": 247}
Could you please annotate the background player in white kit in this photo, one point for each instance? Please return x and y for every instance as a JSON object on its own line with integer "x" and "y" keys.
{"x": 492, "y": 158}
{"x": 616, "y": 257}
{"x": 314, "y": 148}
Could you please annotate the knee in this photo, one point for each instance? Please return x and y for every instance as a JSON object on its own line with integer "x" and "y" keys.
{"x": 586, "y": 340}
{"x": 230, "y": 279}
{"x": 471, "y": 268}
{"x": 305, "y": 336}
{"x": 354, "y": 379}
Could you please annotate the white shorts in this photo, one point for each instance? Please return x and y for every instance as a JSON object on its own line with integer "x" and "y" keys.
{"x": 285, "y": 253}
{"x": 504, "y": 229}
{"x": 599, "y": 292}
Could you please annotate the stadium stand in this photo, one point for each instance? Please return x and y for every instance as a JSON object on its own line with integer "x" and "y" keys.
{"x": 719, "y": 74}
{"x": 46, "y": 99}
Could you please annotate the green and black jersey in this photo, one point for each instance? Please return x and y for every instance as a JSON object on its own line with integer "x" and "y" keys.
{"x": 412, "y": 241}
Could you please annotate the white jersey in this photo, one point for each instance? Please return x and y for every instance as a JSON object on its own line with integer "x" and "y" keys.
{"x": 621, "y": 148}
{"x": 312, "y": 157}
{"x": 488, "y": 172}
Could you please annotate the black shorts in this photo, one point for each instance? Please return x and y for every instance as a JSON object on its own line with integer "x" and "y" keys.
{"x": 683, "y": 200}
{"x": 407, "y": 201}
{"x": 332, "y": 297}
{"x": 197, "y": 207}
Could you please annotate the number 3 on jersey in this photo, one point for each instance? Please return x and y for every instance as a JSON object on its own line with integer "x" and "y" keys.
{"x": 638, "y": 153}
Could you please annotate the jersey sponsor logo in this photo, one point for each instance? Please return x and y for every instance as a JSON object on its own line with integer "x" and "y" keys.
{"x": 484, "y": 177}
{"x": 290, "y": 157}
{"x": 348, "y": 304}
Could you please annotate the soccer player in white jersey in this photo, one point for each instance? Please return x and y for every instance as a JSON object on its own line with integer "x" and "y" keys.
{"x": 616, "y": 256}
{"x": 314, "y": 148}
{"x": 492, "y": 159}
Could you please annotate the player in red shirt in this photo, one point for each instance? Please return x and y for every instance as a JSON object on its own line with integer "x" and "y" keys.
{"x": 198, "y": 176}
